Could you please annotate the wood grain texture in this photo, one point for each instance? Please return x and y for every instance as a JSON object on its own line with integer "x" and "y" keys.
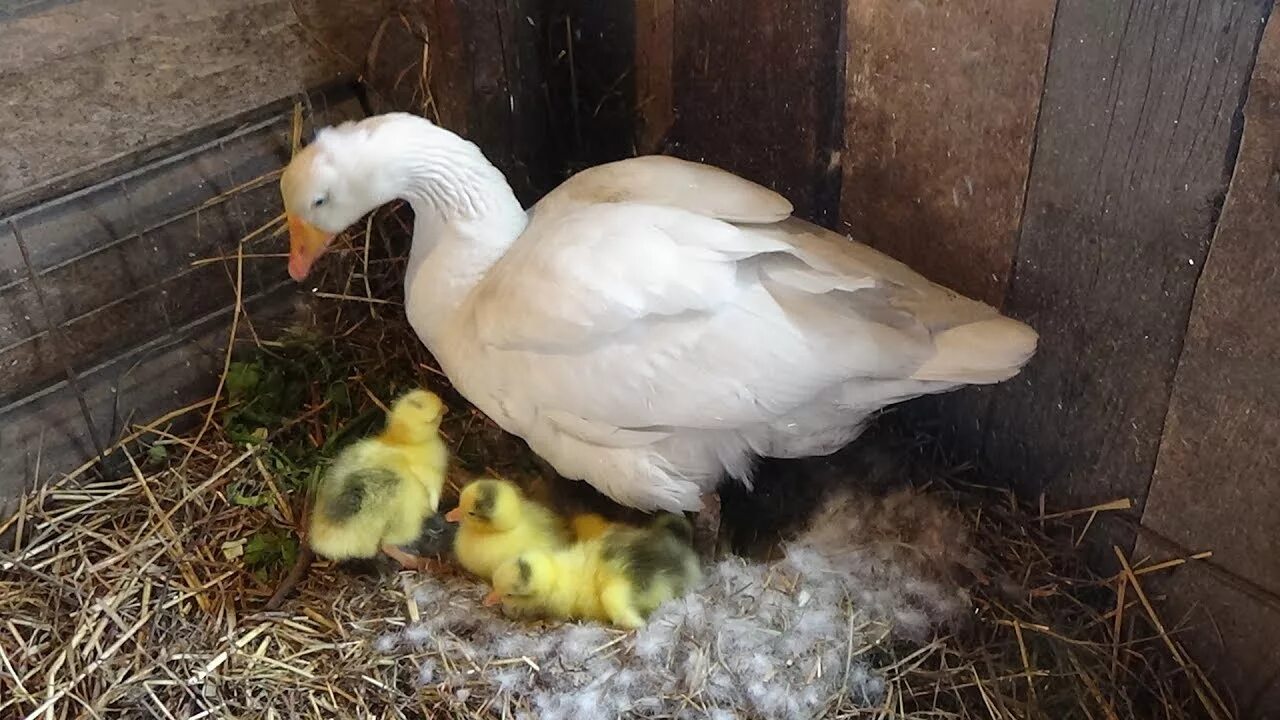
{"x": 941, "y": 100}
{"x": 88, "y": 82}
{"x": 755, "y": 87}
{"x": 1215, "y": 478}
{"x": 116, "y": 264}
{"x": 590, "y": 69}
{"x": 116, "y": 260}
{"x": 655, "y": 55}
{"x": 485, "y": 77}
{"x": 1136, "y": 140}
{"x": 46, "y": 431}
{"x": 1221, "y": 444}
{"x": 508, "y": 102}
{"x": 418, "y": 62}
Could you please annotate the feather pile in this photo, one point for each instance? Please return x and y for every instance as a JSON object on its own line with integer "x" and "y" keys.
{"x": 786, "y": 639}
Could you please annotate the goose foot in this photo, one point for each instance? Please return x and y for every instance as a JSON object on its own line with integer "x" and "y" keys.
{"x": 407, "y": 560}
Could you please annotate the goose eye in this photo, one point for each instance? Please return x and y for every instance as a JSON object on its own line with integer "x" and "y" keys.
{"x": 319, "y": 201}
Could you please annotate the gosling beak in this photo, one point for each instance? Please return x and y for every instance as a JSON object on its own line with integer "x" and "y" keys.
{"x": 454, "y": 515}
{"x": 306, "y": 244}
{"x": 493, "y": 598}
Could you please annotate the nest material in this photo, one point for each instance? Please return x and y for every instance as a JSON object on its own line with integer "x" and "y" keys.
{"x": 142, "y": 595}
{"x": 789, "y": 639}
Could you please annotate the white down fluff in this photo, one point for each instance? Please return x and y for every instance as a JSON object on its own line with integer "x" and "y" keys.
{"x": 651, "y": 324}
{"x": 786, "y": 640}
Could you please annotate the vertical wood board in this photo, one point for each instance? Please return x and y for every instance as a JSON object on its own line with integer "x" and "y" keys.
{"x": 1136, "y": 139}
{"x": 1215, "y": 480}
{"x": 590, "y": 66}
{"x": 544, "y": 88}
{"x": 941, "y": 101}
{"x": 1215, "y": 485}
{"x": 755, "y": 88}
{"x": 654, "y": 57}
{"x": 483, "y": 79}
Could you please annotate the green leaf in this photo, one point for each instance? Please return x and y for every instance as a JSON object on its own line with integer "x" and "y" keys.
{"x": 256, "y": 549}
{"x": 269, "y": 548}
{"x": 259, "y": 500}
{"x": 242, "y": 378}
{"x": 289, "y": 551}
{"x": 340, "y": 397}
{"x": 158, "y": 453}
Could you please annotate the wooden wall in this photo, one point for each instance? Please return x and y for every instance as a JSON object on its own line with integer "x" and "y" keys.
{"x": 1215, "y": 476}
{"x": 764, "y": 76}
{"x": 1103, "y": 169}
{"x": 92, "y": 86}
{"x": 139, "y": 139}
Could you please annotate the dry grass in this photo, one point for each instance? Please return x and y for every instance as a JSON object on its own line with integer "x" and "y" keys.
{"x": 143, "y": 595}
{"x": 1050, "y": 637}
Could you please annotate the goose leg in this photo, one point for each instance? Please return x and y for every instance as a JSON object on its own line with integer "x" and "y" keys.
{"x": 706, "y": 527}
{"x": 407, "y": 560}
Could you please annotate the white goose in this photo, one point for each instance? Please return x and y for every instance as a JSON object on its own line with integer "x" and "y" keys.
{"x": 653, "y": 324}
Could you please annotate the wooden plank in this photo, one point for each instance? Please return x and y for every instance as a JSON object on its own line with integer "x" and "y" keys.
{"x": 1214, "y": 479}
{"x": 150, "y": 195}
{"x": 941, "y": 101}
{"x": 485, "y": 79}
{"x": 541, "y": 87}
{"x": 77, "y": 95}
{"x": 133, "y": 306}
{"x": 417, "y": 62}
{"x": 48, "y": 431}
{"x": 655, "y": 56}
{"x": 116, "y": 260}
{"x": 590, "y": 70}
{"x": 508, "y": 97}
{"x": 1136, "y": 140}
{"x": 941, "y": 104}
{"x": 1214, "y": 485}
{"x": 756, "y": 86}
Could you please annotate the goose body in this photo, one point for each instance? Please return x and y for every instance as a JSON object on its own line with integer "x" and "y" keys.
{"x": 653, "y": 324}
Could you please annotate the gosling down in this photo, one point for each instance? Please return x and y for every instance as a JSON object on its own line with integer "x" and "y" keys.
{"x": 620, "y": 576}
{"x": 379, "y": 491}
{"x": 496, "y": 522}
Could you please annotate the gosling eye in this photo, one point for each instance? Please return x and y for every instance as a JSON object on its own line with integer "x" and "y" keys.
{"x": 319, "y": 201}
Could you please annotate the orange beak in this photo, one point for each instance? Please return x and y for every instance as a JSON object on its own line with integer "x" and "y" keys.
{"x": 454, "y": 515}
{"x": 493, "y": 598}
{"x": 306, "y": 244}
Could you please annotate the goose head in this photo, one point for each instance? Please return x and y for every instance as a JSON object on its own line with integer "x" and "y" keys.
{"x": 326, "y": 188}
{"x": 352, "y": 168}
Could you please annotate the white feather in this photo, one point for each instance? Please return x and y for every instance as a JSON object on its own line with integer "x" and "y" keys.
{"x": 652, "y": 324}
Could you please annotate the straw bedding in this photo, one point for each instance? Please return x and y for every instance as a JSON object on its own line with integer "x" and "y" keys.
{"x": 142, "y": 595}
